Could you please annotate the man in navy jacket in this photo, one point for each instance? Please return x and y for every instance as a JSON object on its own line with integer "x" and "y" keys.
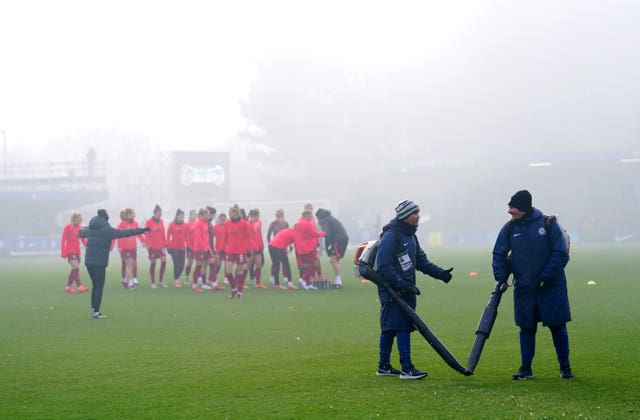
{"x": 533, "y": 248}
{"x": 399, "y": 256}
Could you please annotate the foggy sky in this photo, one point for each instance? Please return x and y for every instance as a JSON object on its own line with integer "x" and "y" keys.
{"x": 477, "y": 78}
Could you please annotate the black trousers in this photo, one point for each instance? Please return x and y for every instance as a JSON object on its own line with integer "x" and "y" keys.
{"x": 279, "y": 257}
{"x": 97, "y": 275}
{"x": 178, "y": 257}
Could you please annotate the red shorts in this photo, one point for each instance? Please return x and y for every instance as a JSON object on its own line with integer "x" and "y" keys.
{"x": 154, "y": 253}
{"x": 73, "y": 257}
{"x": 128, "y": 253}
{"x": 308, "y": 259}
{"x": 235, "y": 258}
{"x": 202, "y": 255}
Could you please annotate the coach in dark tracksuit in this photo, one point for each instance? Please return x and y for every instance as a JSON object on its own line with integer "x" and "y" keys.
{"x": 99, "y": 235}
{"x": 535, "y": 251}
{"x": 335, "y": 242}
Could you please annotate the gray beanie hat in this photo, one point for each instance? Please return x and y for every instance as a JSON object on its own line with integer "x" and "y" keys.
{"x": 405, "y": 209}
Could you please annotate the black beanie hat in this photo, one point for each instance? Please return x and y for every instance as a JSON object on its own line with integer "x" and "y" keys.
{"x": 521, "y": 201}
{"x": 103, "y": 213}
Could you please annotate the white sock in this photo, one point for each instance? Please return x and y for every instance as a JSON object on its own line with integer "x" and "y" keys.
{"x": 338, "y": 279}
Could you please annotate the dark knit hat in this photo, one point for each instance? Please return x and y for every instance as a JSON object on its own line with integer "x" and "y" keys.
{"x": 103, "y": 213}
{"x": 405, "y": 209}
{"x": 521, "y": 201}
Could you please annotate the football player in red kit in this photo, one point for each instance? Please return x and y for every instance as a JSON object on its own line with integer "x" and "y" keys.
{"x": 257, "y": 259}
{"x": 156, "y": 242}
{"x": 318, "y": 266}
{"x": 278, "y": 250}
{"x": 128, "y": 248}
{"x": 278, "y": 224}
{"x": 236, "y": 248}
{"x": 177, "y": 244}
{"x": 70, "y": 249}
{"x": 219, "y": 232}
{"x": 201, "y": 248}
{"x": 213, "y": 262}
{"x": 193, "y": 216}
{"x": 306, "y": 241}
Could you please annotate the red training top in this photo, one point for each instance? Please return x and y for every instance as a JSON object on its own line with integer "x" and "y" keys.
{"x": 283, "y": 238}
{"x": 200, "y": 236}
{"x": 189, "y": 233}
{"x": 238, "y": 235}
{"x": 219, "y": 231}
{"x": 258, "y": 242}
{"x": 129, "y": 242}
{"x": 306, "y": 236}
{"x": 177, "y": 235}
{"x": 155, "y": 238}
{"x": 70, "y": 242}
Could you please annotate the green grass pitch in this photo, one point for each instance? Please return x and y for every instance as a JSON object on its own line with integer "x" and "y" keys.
{"x": 291, "y": 354}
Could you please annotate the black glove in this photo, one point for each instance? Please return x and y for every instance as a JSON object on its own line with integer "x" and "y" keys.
{"x": 542, "y": 282}
{"x": 446, "y": 275}
{"x": 407, "y": 290}
{"x": 249, "y": 254}
{"x": 145, "y": 230}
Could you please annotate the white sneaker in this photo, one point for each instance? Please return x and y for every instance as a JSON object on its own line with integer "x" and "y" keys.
{"x": 226, "y": 281}
{"x": 163, "y": 285}
{"x": 186, "y": 280}
{"x": 154, "y": 286}
{"x": 209, "y": 283}
{"x": 303, "y": 284}
{"x": 135, "y": 281}
{"x": 311, "y": 287}
{"x": 206, "y": 287}
{"x": 272, "y": 280}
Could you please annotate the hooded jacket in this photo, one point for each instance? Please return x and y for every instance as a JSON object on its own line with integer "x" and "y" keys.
{"x": 331, "y": 226}
{"x": 399, "y": 256}
{"x": 538, "y": 255}
{"x": 99, "y": 235}
{"x": 306, "y": 236}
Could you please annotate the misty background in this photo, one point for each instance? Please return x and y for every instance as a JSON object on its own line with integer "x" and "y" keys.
{"x": 353, "y": 106}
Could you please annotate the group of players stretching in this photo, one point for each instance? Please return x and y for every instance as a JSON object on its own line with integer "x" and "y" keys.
{"x": 205, "y": 243}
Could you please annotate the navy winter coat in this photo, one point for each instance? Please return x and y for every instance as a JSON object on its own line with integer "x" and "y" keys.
{"x": 400, "y": 271}
{"x": 99, "y": 235}
{"x": 539, "y": 254}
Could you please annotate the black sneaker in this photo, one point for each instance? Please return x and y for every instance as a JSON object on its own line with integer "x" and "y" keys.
{"x": 523, "y": 373}
{"x": 412, "y": 373}
{"x": 387, "y": 371}
{"x": 98, "y": 315}
{"x": 565, "y": 372}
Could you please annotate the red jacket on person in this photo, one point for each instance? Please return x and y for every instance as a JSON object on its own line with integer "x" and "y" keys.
{"x": 129, "y": 242}
{"x": 155, "y": 238}
{"x": 189, "y": 233}
{"x": 238, "y": 235}
{"x": 306, "y": 236}
{"x": 283, "y": 239}
{"x": 258, "y": 242}
{"x": 219, "y": 231}
{"x": 200, "y": 236}
{"x": 177, "y": 235}
{"x": 70, "y": 242}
